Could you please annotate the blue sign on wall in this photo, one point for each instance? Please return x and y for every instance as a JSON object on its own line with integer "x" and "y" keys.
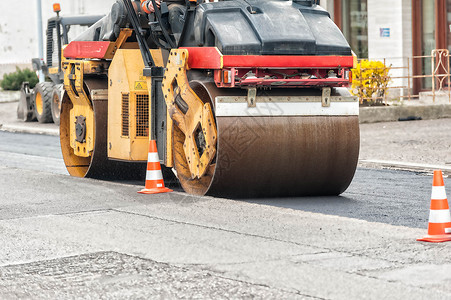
{"x": 385, "y": 32}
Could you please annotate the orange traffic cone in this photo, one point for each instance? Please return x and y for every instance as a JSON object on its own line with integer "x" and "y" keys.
{"x": 154, "y": 177}
{"x": 439, "y": 229}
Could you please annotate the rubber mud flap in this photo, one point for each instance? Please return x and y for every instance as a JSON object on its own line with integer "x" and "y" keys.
{"x": 25, "y": 109}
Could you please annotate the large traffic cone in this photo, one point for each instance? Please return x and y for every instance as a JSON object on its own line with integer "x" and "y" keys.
{"x": 439, "y": 229}
{"x": 154, "y": 177}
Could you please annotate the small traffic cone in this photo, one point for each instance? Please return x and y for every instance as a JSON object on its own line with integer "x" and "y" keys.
{"x": 154, "y": 177}
{"x": 439, "y": 229}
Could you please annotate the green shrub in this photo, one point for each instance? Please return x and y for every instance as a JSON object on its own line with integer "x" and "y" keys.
{"x": 13, "y": 81}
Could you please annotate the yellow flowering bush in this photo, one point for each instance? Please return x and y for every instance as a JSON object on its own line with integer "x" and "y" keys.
{"x": 370, "y": 81}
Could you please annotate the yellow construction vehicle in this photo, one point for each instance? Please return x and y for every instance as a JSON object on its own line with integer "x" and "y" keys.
{"x": 249, "y": 100}
{"x": 43, "y": 103}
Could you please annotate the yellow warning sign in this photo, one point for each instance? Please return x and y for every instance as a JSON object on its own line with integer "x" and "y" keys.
{"x": 140, "y": 85}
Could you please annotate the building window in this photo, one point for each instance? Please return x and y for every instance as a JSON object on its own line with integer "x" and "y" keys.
{"x": 428, "y": 39}
{"x": 448, "y": 23}
{"x": 354, "y": 23}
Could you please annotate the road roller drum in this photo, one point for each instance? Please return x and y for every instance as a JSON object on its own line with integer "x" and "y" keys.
{"x": 273, "y": 150}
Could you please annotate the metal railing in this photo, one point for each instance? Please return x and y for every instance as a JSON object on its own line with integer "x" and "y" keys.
{"x": 401, "y": 77}
{"x": 440, "y": 71}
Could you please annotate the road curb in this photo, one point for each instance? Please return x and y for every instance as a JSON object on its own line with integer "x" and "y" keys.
{"x": 8, "y": 101}
{"x": 408, "y": 166}
{"x": 29, "y": 129}
{"x": 395, "y": 113}
{"x": 9, "y": 96}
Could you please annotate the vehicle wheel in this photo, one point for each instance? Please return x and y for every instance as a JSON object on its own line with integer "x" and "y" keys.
{"x": 42, "y": 100}
{"x": 96, "y": 164}
{"x": 58, "y": 91}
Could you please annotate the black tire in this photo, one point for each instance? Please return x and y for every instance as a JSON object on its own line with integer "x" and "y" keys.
{"x": 56, "y": 103}
{"x": 42, "y": 101}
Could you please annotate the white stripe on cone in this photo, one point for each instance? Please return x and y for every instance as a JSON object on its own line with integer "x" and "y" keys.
{"x": 153, "y": 157}
{"x": 438, "y": 193}
{"x": 447, "y": 230}
{"x": 154, "y": 175}
{"x": 439, "y": 216}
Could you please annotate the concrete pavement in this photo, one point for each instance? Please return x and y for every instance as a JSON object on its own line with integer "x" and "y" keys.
{"x": 81, "y": 238}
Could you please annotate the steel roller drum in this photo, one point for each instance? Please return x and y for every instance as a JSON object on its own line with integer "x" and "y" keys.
{"x": 275, "y": 150}
{"x": 97, "y": 165}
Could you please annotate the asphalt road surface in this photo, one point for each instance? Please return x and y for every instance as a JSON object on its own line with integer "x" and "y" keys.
{"x": 392, "y": 197}
{"x": 65, "y": 237}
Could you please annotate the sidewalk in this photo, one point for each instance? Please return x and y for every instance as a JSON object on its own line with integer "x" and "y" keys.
{"x": 9, "y": 121}
{"x": 424, "y": 108}
{"x": 9, "y": 96}
{"x": 414, "y": 145}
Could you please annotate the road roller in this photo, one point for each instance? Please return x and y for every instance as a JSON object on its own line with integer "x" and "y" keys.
{"x": 250, "y": 99}
{"x": 43, "y": 102}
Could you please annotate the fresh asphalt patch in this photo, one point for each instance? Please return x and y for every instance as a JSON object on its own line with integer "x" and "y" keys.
{"x": 385, "y": 196}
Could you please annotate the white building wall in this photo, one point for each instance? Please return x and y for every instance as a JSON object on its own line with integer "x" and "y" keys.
{"x": 329, "y": 6}
{"x": 18, "y": 29}
{"x": 407, "y": 37}
{"x": 396, "y": 16}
